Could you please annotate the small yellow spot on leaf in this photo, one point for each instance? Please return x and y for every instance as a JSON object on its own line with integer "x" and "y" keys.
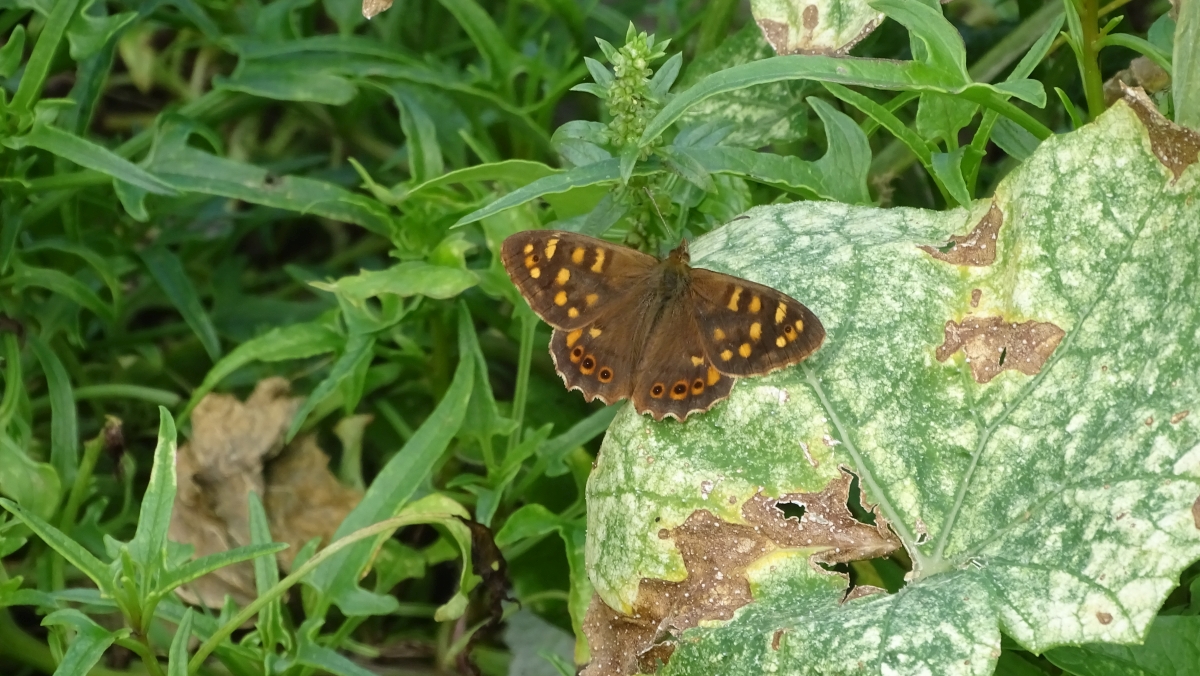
{"x": 560, "y": 298}
{"x": 563, "y": 276}
{"x": 744, "y": 350}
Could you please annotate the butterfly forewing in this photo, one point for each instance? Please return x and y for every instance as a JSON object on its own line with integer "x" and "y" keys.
{"x": 571, "y": 280}
{"x": 674, "y": 377}
{"x": 749, "y": 329}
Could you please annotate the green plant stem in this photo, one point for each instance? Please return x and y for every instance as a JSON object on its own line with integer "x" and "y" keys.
{"x": 87, "y": 464}
{"x": 529, "y": 323}
{"x": 277, "y": 591}
{"x": 1093, "y": 85}
{"x": 144, "y": 651}
{"x": 714, "y": 26}
{"x": 12, "y": 379}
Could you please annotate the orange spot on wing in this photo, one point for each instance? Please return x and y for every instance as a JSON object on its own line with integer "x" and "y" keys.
{"x": 594, "y": 332}
{"x": 573, "y": 337}
{"x": 551, "y": 247}
{"x": 696, "y": 361}
{"x": 718, "y": 334}
{"x": 755, "y": 304}
{"x": 744, "y": 350}
{"x": 529, "y": 248}
{"x": 572, "y": 313}
{"x": 563, "y": 276}
{"x": 780, "y": 312}
{"x": 755, "y": 331}
{"x": 560, "y": 298}
{"x": 591, "y": 298}
{"x": 780, "y": 341}
{"x": 726, "y": 355}
{"x": 577, "y": 255}
{"x": 734, "y": 297}
{"x": 535, "y": 272}
{"x": 679, "y": 390}
{"x": 697, "y": 387}
{"x": 713, "y": 375}
{"x": 598, "y": 266}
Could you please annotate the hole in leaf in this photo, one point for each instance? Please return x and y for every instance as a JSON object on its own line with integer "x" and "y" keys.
{"x": 854, "y": 503}
{"x": 791, "y": 509}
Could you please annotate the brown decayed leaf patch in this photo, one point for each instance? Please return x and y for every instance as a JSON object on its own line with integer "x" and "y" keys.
{"x": 716, "y": 555}
{"x": 1179, "y": 416}
{"x": 1176, "y": 146}
{"x": 224, "y": 462}
{"x": 993, "y": 345}
{"x": 976, "y": 248}
{"x": 1196, "y": 513}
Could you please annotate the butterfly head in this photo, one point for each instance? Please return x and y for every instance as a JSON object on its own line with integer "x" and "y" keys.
{"x": 679, "y": 255}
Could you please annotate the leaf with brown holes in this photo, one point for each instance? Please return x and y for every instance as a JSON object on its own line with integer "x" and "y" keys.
{"x": 670, "y": 337}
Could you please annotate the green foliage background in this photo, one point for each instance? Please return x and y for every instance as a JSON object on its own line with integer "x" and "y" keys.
{"x": 198, "y": 194}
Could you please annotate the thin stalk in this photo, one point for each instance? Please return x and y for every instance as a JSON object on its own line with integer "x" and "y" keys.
{"x": 529, "y": 323}
{"x": 87, "y": 464}
{"x": 1093, "y": 84}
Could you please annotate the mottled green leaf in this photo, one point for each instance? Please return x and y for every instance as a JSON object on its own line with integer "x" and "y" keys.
{"x": 815, "y": 27}
{"x": 1053, "y": 503}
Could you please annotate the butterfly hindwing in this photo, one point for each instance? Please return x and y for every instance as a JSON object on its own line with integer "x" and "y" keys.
{"x": 594, "y": 360}
{"x": 571, "y": 280}
{"x": 674, "y": 377}
{"x": 749, "y": 329}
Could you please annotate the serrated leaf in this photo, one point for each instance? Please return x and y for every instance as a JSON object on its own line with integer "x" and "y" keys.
{"x": 1047, "y": 493}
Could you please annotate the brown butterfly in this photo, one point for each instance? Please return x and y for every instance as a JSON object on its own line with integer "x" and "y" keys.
{"x": 670, "y": 337}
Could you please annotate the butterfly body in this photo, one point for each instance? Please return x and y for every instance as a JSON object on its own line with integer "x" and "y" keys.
{"x": 667, "y": 336}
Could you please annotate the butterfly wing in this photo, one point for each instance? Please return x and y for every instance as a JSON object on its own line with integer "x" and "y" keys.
{"x": 596, "y": 360}
{"x": 674, "y": 376}
{"x": 749, "y": 329}
{"x": 572, "y": 280}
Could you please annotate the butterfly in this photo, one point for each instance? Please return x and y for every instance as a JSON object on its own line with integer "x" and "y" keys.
{"x": 669, "y": 337}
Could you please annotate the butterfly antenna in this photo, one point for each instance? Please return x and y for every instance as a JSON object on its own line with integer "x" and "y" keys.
{"x": 666, "y": 226}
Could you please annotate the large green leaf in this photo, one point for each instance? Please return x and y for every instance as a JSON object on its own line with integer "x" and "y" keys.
{"x": 1055, "y": 501}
